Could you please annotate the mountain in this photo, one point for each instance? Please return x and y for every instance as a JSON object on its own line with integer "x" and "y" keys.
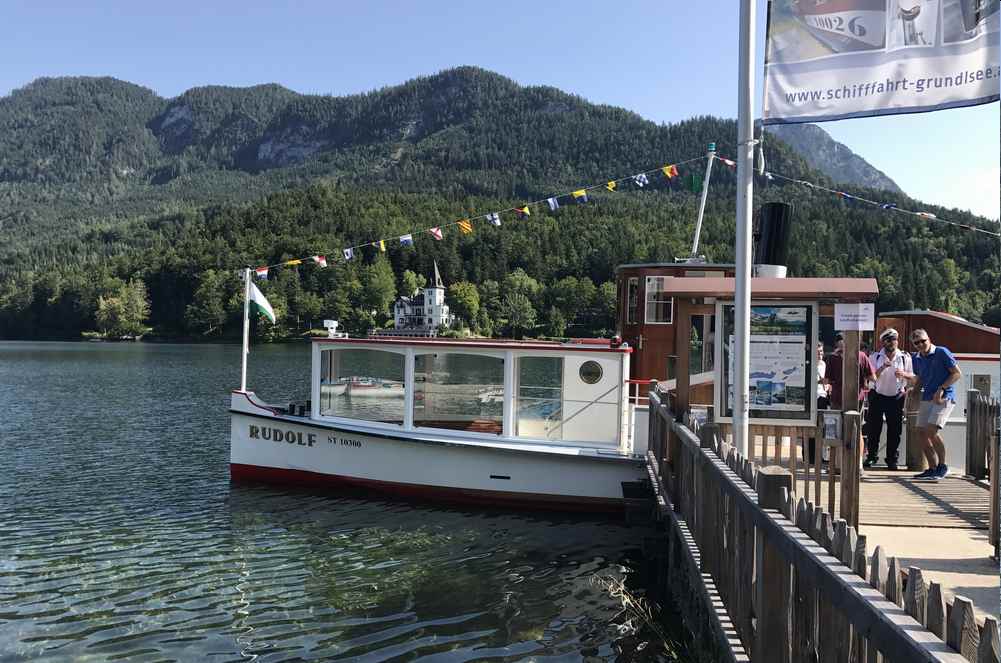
{"x": 832, "y": 158}
{"x": 107, "y": 190}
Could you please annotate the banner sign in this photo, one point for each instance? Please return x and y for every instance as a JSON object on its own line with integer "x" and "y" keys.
{"x": 855, "y": 317}
{"x": 833, "y": 59}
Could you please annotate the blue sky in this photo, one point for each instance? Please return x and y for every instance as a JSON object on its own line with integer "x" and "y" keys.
{"x": 667, "y": 61}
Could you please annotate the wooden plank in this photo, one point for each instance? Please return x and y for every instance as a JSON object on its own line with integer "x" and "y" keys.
{"x": 805, "y": 594}
{"x": 893, "y": 580}
{"x": 961, "y": 631}
{"x": 935, "y": 613}
{"x": 850, "y": 474}
{"x": 861, "y": 567}
{"x": 916, "y": 595}
{"x": 990, "y": 645}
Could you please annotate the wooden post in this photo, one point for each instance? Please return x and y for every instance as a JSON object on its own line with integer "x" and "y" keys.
{"x": 850, "y": 475}
{"x": 682, "y": 342}
{"x": 976, "y": 450}
{"x": 805, "y": 593}
{"x": 916, "y": 461}
{"x": 994, "y": 520}
{"x": 961, "y": 632}
{"x": 916, "y": 595}
{"x": 774, "y": 577}
{"x": 849, "y": 372}
{"x": 990, "y": 648}
{"x": 936, "y": 611}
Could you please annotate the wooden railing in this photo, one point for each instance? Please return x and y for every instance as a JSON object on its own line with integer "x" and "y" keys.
{"x": 796, "y": 584}
{"x": 982, "y": 430}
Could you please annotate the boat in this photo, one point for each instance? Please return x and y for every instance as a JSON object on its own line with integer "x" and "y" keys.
{"x": 520, "y": 423}
{"x": 845, "y": 25}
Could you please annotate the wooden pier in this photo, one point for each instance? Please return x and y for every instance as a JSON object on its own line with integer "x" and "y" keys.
{"x": 772, "y": 576}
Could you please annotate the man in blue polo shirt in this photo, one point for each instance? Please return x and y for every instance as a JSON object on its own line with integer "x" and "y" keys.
{"x": 936, "y": 371}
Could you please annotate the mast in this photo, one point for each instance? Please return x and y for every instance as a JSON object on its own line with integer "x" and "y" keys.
{"x": 246, "y": 329}
{"x": 745, "y": 192}
{"x": 702, "y": 205}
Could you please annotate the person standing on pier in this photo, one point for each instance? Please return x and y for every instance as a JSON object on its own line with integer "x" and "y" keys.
{"x": 886, "y": 399}
{"x": 936, "y": 371}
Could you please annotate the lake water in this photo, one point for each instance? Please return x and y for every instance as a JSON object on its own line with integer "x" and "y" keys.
{"x": 121, "y": 536}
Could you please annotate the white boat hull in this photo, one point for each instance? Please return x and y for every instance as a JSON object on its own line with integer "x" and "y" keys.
{"x": 267, "y": 446}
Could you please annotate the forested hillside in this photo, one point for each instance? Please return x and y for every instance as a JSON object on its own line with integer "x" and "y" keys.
{"x": 113, "y": 195}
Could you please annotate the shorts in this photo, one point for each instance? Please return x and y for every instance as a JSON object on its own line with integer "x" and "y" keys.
{"x": 931, "y": 413}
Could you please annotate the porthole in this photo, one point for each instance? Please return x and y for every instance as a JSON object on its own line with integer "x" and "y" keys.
{"x": 590, "y": 372}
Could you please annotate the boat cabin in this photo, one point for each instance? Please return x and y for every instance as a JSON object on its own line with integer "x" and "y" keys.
{"x": 529, "y": 392}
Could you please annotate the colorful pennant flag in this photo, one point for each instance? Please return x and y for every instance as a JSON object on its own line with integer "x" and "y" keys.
{"x": 641, "y": 180}
{"x": 611, "y": 185}
{"x": 580, "y": 196}
{"x": 382, "y": 245}
{"x": 436, "y": 233}
{"x": 465, "y": 226}
{"x": 349, "y": 254}
{"x": 553, "y": 204}
{"x": 494, "y": 218}
{"x": 261, "y": 304}
{"x": 320, "y": 260}
{"x": 261, "y": 272}
{"x": 927, "y": 215}
{"x": 406, "y": 240}
{"x": 293, "y": 262}
{"x": 889, "y": 205}
{"x": 728, "y": 162}
{"x": 670, "y": 171}
{"x": 522, "y": 211}
{"x": 769, "y": 176}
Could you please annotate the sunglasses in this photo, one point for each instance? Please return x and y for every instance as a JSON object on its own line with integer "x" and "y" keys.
{"x": 919, "y": 341}
{"x": 890, "y": 339}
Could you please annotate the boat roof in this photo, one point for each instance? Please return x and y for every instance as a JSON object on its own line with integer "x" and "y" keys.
{"x": 838, "y": 289}
{"x": 572, "y": 345}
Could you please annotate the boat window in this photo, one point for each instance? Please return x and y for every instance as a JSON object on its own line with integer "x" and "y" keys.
{"x": 632, "y": 298}
{"x": 590, "y": 372}
{"x": 362, "y": 384}
{"x": 459, "y": 391}
{"x": 659, "y": 305}
{"x": 539, "y": 408}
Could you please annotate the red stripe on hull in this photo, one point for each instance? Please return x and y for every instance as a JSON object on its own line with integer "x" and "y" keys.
{"x": 304, "y": 478}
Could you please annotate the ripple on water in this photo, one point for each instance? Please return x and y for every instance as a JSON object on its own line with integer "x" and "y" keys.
{"x": 122, "y": 538}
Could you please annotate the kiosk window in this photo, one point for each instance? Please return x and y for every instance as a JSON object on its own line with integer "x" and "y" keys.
{"x": 659, "y": 305}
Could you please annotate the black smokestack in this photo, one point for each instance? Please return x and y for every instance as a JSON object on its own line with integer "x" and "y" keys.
{"x": 773, "y": 233}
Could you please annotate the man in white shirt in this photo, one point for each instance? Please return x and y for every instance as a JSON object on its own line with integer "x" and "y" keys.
{"x": 886, "y": 398}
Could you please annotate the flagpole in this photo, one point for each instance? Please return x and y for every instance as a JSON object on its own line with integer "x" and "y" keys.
{"x": 745, "y": 193}
{"x": 702, "y": 205}
{"x": 246, "y": 329}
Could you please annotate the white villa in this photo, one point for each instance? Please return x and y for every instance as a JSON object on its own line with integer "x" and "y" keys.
{"x": 425, "y": 310}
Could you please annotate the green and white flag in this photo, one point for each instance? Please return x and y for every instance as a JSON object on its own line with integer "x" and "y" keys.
{"x": 261, "y": 304}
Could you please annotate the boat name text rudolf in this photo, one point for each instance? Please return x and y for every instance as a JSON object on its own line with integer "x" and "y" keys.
{"x": 279, "y": 435}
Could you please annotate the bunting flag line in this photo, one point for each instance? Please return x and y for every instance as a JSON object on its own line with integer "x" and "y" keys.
{"x": 521, "y": 211}
{"x": 770, "y": 176}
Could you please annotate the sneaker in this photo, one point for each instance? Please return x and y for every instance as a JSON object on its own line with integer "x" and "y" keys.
{"x": 930, "y": 473}
{"x": 942, "y": 471}
{"x": 868, "y": 462}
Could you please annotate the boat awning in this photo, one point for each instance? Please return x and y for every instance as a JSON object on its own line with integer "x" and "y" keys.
{"x": 830, "y": 289}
